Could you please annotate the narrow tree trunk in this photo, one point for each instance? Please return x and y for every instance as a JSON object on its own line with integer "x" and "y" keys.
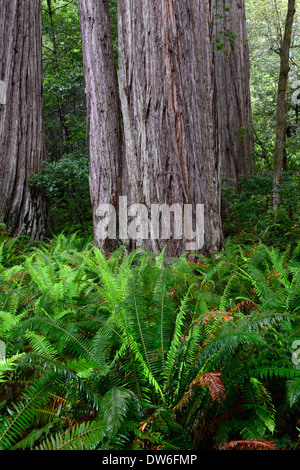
{"x": 104, "y": 122}
{"x": 232, "y": 91}
{"x": 22, "y": 144}
{"x": 166, "y": 90}
{"x": 282, "y": 96}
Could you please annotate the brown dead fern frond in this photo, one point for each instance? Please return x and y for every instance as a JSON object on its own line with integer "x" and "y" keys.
{"x": 250, "y": 445}
{"x": 215, "y": 386}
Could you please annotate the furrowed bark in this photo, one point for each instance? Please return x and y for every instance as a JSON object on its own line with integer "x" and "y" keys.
{"x": 103, "y": 111}
{"x": 22, "y": 145}
{"x": 166, "y": 90}
{"x": 232, "y": 91}
{"x": 177, "y": 111}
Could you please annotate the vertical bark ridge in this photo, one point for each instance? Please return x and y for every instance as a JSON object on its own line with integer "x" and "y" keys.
{"x": 22, "y": 144}
{"x": 104, "y": 125}
{"x": 170, "y": 57}
{"x": 232, "y": 92}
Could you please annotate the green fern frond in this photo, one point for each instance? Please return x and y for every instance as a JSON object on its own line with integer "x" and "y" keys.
{"x": 115, "y": 405}
{"x": 264, "y": 407}
{"x": 178, "y": 331}
{"x": 24, "y": 413}
{"x": 41, "y": 345}
{"x": 293, "y": 391}
{"x": 9, "y": 320}
{"x": 84, "y": 436}
{"x": 29, "y": 442}
{"x": 7, "y": 365}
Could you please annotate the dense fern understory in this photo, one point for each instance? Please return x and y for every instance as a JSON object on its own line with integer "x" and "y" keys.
{"x": 137, "y": 351}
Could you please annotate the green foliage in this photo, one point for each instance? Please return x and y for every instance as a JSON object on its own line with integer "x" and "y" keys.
{"x": 66, "y": 183}
{"x": 251, "y": 216}
{"x": 65, "y": 110}
{"x": 265, "y": 27}
{"x": 113, "y": 7}
{"x": 224, "y": 37}
{"x": 65, "y": 177}
{"x": 144, "y": 352}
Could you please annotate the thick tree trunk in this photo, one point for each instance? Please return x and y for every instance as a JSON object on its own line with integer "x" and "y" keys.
{"x": 103, "y": 111}
{"x": 180, "y": 116}
{"x": 167, "y": 95}
{"x": 22, "y": 145}
{"x": 282, "y": 97}
{"x": 232, "y": 90}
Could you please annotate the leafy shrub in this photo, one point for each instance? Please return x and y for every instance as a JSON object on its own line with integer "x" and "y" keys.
{"x": 145, "y": 352}
{"x": 251, "y": 217}
{"x": 66, "y": 183}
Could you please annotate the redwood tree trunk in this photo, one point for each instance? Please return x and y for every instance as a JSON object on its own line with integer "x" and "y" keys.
{"x": 22, "y": 144}
{"x": 282, "y": 97}
{"x": 103, "y": 111}
{"x": 177, "y": 135}
{"x": 166, "y": 90}
{"x": 232, "y": 91}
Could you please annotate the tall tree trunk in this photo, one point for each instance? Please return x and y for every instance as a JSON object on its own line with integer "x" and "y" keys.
{"x": 166, "y": 90}
{"x": 282, "y": 97}
{"x": 176, "y": 135}
{"x": 103, "y": 111}
{"x": 232, "y": 90}
{"x": 22, "y": 145}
